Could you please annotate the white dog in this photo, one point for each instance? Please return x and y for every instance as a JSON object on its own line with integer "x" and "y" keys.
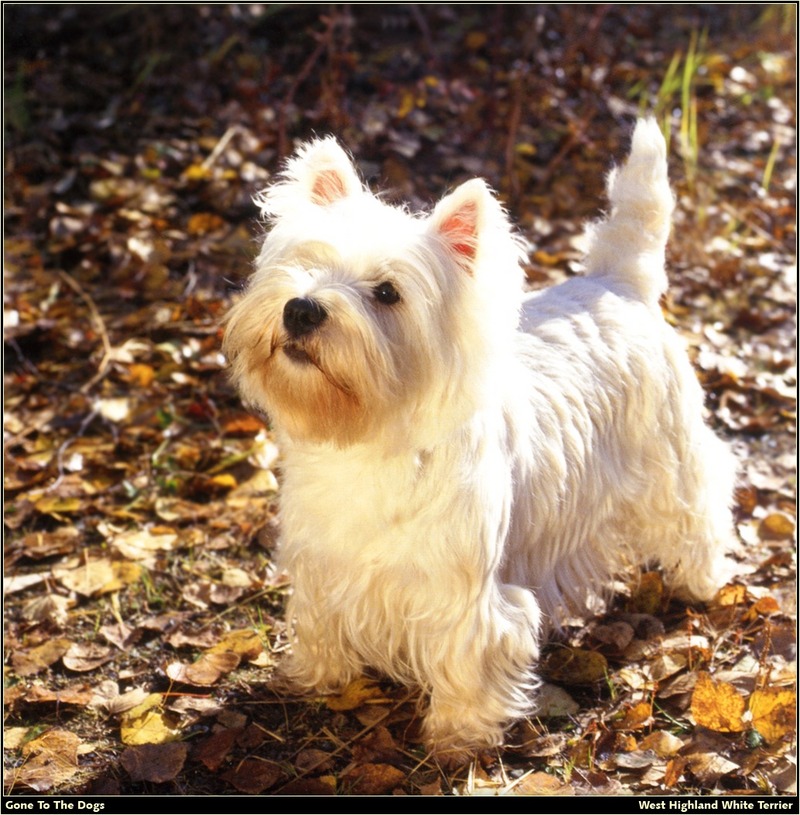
{"x": 462, "y": 463}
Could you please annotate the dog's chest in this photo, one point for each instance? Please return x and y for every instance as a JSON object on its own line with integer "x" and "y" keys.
{"x": 347, "y": 504}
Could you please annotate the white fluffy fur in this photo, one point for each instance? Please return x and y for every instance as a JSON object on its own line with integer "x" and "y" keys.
{"x": 463, "y": 465}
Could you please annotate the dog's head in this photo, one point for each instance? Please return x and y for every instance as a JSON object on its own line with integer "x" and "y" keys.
{"x": 363, "y": 320}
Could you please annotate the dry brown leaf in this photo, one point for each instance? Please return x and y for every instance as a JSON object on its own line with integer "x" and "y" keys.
{"x": 121, "y": 635}
{"x": 312, "y": 759}
{"x": 33, "y": 660}
{"x": 253, "y": 776}
{"x": 86, "y": 656}
{"x": 575, "y": 666}
{"x": 214, "y": 750}
{"x": 156, "y": 763}
{"x": 52, "y": 760}
{"x": 208, "y": 670}
{"x": 322, "y": 785}
{"x": 540, "y": 783}
{"x": 648, "y": 595}
{"x": 774, "y": 712}
{"x": 663, "y": 744}
{"x": 106, "y": 696}
{"x": 48, "y": 608}
{"x": 617, "y": 634}
{"x": 98, "y": 576}
{"x": 142, "y": 544}
{"x": 708, "y": 768}
{"x": 373, "y": 779}
{"x": 361, "y": 691}
{"x": 717, "y": 705}
{"x": 80, "y": 694}
{"x": 377, "y": 746}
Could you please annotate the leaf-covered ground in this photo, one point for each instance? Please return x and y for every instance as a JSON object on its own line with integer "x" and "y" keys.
{"x": 142, "y": 614}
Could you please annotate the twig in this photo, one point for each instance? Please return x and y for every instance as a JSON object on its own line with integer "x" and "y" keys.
{"x": 513, "y": 130}
{"x": 99, "y": 326}
{"x": 220, "y": 146}
{"x": 343, "y": 745}
{"x": 323, "y": 41}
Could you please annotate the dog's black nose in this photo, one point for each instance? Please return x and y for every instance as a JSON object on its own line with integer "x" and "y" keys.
{"x": 302, "y": 315}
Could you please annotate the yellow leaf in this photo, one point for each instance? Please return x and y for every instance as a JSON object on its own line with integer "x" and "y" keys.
{"x": 407, "y": 104}
{"x": 648, "y": 595}
{"x": 763, "y": 608}
{"x": 776, "y": 527}
{"x": 575, "y": 666}
{"x": 359, "y": 692}
{"x": 774, "y": 712}
{"x": 731, "y": 595}
{"x": 147, "y": 723}
{"x": 53, "y": 505}
{"x": 635, "y": 717}
{"x": 141, "y": 374}
{"x": 717, "y": 705}
{"x": 475, "y": 40}
{"x": 246, "y": 643}
{"x": 202, "y": 222}
{"x": 225, "y": 480}
{"x": 197, "y": 172}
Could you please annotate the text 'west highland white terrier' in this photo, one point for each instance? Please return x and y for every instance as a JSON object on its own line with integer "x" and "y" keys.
{"x": 463, "y": 462}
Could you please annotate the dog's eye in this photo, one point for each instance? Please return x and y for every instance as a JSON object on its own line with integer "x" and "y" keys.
{"x": 386, "y": 293}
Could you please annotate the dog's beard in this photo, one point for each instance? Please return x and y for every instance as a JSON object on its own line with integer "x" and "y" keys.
{"x": 310, "y": 397}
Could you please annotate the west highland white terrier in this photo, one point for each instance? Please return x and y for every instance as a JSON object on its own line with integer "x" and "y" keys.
{"x": 463, "y": 462}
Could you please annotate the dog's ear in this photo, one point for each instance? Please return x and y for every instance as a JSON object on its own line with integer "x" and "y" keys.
{"x": 459, "y": 218}
{"x": 471, "y": 224}
{"x": 328, "y": 172}
{"x": 320, "y": 173}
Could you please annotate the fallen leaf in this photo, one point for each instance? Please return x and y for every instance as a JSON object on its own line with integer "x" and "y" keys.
{"x": 322, "y": 785}
{"x": 142, "y": 544}
{"x": 253, "y": 776}
{"x": 52, "y": 760}
{"x": 540, "y": 783}
{"x": 648, "y": 595}
{"x": 86, "y": 656}
{"x": 774, "y": 712}
{"x": 156, "y": 763}
{"x": 663, "y": 744}
{"x": 361, "y": 691}
{"x": 373, "y": 779}
{"x": 147, "y": 723}
{"x": 33, "y": 660}
{"x": 617, "y": 634}
{"x": 377, "y": 746}
{"x": 717, "y": 705}
{"x": 553, "y": 701}
{"x": 635, "y": 716}
{"x": 246, "y": 644}
{"x": 776, "y": 526}
{"x": 208, "y": 670}
{"x": 96, "y": 577}
{"x": 575, "y": 666}
{"x": 50, "y": 607}
{"x": 213, "y": 751}
{"x": 80, "y": 694}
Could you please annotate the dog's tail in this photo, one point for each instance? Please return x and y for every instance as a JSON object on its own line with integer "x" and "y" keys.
{"x": 628, "y": 245}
